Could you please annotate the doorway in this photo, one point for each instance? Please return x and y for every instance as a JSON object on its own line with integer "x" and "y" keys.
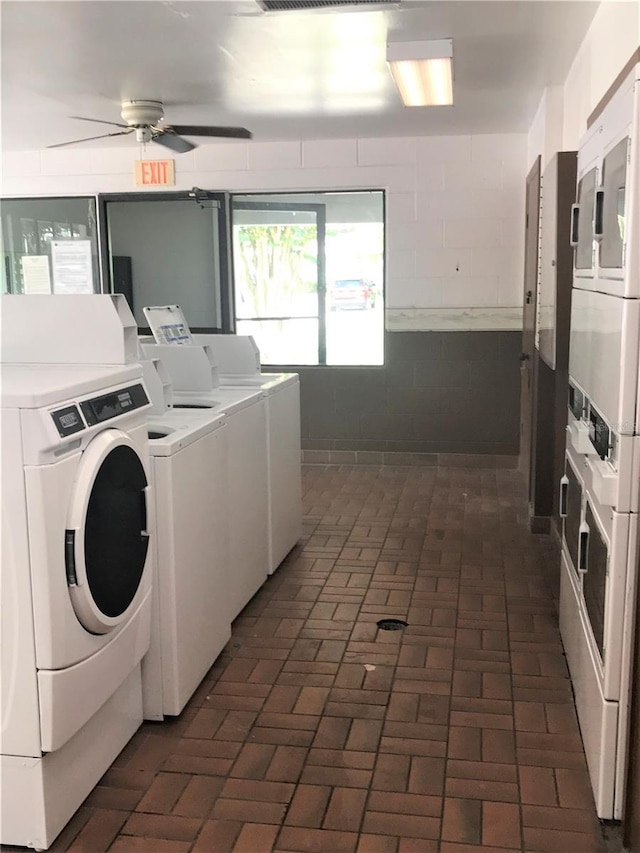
{"x": 169, "y": 248}
{"x": 529, "y": 302}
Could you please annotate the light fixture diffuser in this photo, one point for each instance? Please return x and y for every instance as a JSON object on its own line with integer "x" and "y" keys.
{"x": 422, "y": 71}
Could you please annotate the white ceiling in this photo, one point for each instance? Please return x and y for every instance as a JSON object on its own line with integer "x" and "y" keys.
{"x": 309, "y": 74}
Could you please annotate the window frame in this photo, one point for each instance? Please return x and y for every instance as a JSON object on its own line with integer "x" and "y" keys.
{"x": 198, "y": 196}
{"x": 233, "y": 195}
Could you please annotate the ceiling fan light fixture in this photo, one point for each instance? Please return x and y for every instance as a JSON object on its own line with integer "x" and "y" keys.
{"x": 422, "y": 71}
{"x": 142, "y": 112}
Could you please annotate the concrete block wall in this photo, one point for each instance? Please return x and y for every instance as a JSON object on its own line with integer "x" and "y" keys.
{"x": 455, "y": 240}
{"x": 454, "y": 207}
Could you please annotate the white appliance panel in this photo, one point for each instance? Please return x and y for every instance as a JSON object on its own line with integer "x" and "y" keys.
{"x": 618, "y": 250}
{"x": 58, "y": 329}
{"x": 604, "y": 582}
{"x": 248, "y": 504}
{"x": 614, "y": 481}
{"x": 62, "y": 713}
{"x": 576, "y": 479}
{"x": 20, "y": 733}
{"x": 603, "y": 355}
{"x": 285, "y": 486}
{"x": 191, "y": 512}
{"x": 597, "y": 716}
{"x": 39, "y": 795}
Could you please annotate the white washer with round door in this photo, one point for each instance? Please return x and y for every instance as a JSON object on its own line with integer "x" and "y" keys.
{"x": 75, "y": 582}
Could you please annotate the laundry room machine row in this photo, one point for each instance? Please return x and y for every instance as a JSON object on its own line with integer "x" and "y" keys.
{"x": 191, "y": 371}
{"x": 76, "y": 585}
{"x": 600, "y": 490}
{"x": 203, "y": 362}
{"x": 238, "y": 365}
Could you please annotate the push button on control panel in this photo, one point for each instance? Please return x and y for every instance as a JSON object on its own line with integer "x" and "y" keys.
{"x": 68, "y": 420}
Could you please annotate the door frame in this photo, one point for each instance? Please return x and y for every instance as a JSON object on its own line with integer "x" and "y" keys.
{"x": 529, "y": 306}
{"x": 204, "y": 198}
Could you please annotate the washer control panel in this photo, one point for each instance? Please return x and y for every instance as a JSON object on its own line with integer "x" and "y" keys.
{"x": 96, "y": 410}
{"x": 107, "y": 406}
{"x": 68, "y": 420}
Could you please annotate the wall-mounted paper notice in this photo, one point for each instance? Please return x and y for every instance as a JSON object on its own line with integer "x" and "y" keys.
{"x": 72, "y": 266}
{"x": 35, "y": 274}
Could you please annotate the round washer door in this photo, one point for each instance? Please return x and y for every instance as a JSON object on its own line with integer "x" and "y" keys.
{"x": 106, "y": 540}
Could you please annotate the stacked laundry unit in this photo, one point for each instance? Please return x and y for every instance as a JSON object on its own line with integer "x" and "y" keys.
{"x": 601, "y": 485}
{"x": 77, "y": 542}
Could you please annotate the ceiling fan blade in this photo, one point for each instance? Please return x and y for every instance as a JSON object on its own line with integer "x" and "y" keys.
{"x": 99, "y": 121}
{"x": 89, "y": 138}
{"x": 227, "y": 132}
{"x": 173, "y": 141}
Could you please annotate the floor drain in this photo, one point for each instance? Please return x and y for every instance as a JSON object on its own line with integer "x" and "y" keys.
{"x": 392, "y": 624}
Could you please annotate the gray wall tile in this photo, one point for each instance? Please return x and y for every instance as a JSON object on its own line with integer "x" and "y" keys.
{"x": 438, "y": 392}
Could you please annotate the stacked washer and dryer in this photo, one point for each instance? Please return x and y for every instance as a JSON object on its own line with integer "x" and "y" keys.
{"x": 76, "y": 558}
{"x": 600, "y": 491}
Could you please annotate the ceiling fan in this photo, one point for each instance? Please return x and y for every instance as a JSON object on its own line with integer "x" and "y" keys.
{"x": 142, "y": 117}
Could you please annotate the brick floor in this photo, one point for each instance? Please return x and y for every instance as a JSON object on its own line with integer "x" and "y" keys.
{"x": 316, "y": 731}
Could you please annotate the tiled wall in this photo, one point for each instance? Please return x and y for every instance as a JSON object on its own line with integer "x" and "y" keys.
{"x": 438, "y": 392}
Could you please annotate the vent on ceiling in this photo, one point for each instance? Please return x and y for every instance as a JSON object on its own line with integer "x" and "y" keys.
{"x": 301, "y": 5}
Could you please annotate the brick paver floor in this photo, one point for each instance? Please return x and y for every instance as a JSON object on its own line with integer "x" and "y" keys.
{"x": 316, "y": 731}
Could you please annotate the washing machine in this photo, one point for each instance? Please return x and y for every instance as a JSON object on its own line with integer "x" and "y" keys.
{"x": 193, "y": 375}
{"x": 238, "y": 363}
{"x": 245, "y": 413}
{"x": 192, "y": 606}
{"x": 76, "y": 585}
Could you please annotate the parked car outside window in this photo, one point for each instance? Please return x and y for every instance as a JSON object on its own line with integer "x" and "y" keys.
{"x": 352, "y": 293}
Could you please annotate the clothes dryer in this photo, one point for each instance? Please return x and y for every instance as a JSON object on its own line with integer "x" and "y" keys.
{"x": 76, "y": 585}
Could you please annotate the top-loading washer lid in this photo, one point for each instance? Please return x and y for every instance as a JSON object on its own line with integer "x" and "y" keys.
{"x": 222, "y": 399}
{"x": 269, "y": 383}
{"x": 34, "y": 386}
{"x": 168, "y": 325}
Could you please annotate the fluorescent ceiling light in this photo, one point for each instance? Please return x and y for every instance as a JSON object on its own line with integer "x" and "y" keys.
{"x": 422, "y": 71}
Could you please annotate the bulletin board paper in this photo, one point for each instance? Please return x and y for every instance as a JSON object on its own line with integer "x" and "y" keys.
{"x": 36, "y": 277}
{"x": 72, "y": 266}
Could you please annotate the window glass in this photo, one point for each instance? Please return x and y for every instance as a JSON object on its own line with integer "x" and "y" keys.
{"x": 614, "y": 174}
{"x": 309, "y": 276}
{"x": 293, "y": 341}
{"x": 586, "y": 198}
{"x": 49, "y": 245}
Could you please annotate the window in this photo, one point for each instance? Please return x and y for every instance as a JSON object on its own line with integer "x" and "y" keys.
{"x": 49, "y": 245}
{"x": 309, "y": 276}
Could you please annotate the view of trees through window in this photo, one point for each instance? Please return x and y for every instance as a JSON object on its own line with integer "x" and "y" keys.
{"x": 309, "y": 275}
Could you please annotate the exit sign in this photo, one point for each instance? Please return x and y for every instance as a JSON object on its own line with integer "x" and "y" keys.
{"x": 155, "y": 173}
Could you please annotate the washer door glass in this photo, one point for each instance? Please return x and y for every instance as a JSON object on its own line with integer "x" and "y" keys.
{"x": 107, "y": 539}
